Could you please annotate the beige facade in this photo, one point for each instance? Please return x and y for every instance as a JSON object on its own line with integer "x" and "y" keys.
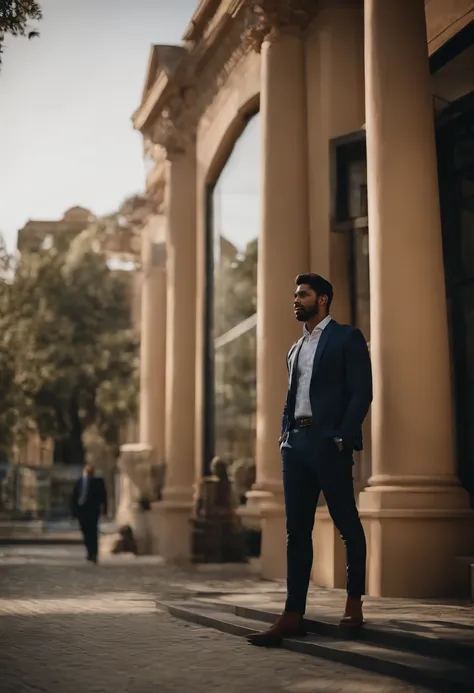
{"x": 355, "y": 106}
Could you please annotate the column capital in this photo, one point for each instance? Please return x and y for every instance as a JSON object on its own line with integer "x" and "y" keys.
{"x": 268, "y": 19}
{"x": 175, "y": 128}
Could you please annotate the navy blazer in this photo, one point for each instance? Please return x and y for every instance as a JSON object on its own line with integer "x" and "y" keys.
{"x": 341, "y": 385}
{"x": 96, "y": 499}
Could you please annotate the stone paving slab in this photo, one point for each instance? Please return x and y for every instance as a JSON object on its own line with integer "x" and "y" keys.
{"x": 68, "y": 626}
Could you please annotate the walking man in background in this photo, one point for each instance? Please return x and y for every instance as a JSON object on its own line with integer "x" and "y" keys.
{"x": 329, "y": 395}
{"x": 89, "y": 499}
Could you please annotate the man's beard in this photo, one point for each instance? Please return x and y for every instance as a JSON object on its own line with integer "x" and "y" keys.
{"x": 305, "y": 314}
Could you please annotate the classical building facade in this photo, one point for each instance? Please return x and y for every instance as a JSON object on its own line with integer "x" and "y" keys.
{"x": 338, "y": 137}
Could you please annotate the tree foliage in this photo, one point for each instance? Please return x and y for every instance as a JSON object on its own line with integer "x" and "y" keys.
{"x": 9, "y": 402}
{"x": 67, "y": 336}
{"x": 235, "y": 300}
{"x": 14, "y": 18}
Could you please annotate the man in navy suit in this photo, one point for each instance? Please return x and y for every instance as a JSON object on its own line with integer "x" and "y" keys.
{"x": 89, "y": 499}
{"x": 329, "y": 395}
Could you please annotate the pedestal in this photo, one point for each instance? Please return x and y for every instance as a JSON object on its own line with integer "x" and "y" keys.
{"x": 136, "y": 482}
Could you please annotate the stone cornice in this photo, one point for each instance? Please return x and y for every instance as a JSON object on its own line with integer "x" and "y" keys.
{"x": 173, "y": 103}
{"x": 165, "y": 83}
{"x": 167, "y": 115}
{"x": 219, "y": 57}
{"x": 266, "y": 19}
{"x": 199, "y": 20}
{"x": 152, "y": 100}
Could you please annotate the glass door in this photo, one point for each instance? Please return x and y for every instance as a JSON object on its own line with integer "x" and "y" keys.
{"x": 350, "y": 217}
{"x": 456, "y": 180}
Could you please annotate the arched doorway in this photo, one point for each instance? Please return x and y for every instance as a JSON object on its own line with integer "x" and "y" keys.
{"x": 233, "y": 221}
{"x": 455, "y": 141}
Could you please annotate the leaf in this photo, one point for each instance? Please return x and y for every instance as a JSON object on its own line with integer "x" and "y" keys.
{"x": 15, "y": 16}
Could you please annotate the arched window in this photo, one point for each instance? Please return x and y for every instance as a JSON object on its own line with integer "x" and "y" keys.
{"x": 233, "y": 227}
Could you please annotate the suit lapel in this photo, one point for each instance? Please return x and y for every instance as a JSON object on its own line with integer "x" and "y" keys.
{"x": 322, "y": 344}
{"x": 293, "y": 380}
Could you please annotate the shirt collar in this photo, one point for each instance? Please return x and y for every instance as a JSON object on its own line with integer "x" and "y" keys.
{"x": 319, "y": 327}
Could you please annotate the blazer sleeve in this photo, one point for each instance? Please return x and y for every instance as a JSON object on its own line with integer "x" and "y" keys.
{"x": 284, "y": 420}
{"x": 284, "y": 417}
{"x": 358, "y": 374}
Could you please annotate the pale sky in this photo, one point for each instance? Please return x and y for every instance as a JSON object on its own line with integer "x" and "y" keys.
{"x": 66, "y": 99}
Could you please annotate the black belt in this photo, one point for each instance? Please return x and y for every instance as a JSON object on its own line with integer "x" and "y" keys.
{"x": 303, "y": 422}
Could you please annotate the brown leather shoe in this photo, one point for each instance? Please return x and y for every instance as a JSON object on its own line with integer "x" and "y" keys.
{"x": 353, "y": 616}
{"x": 289, "y": 625}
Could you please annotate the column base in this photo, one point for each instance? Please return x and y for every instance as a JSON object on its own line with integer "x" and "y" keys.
{"x": 273, "y": 553}
{"x": 135, "y": 468}
{"x": 414, "y": 536}
{"x": 273, "y": 519}
{"x": 250, "y": 514}
{"x": 173, "y": 532}
{"x": 265, "y": 510}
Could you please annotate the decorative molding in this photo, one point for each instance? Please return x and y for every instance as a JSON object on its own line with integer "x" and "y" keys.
{"x": 199, "y": 20}
{"x": 268, "y": 19}
{"x": 175, "y": 103}
{"x": 156, "y": 174}
{"x": 153, "y": 151}
{"x": 218, "y": 63}
{"x": 175, "y": 128}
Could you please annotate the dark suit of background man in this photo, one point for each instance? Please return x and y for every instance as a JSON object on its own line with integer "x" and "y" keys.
{"x": 329, "y": 395}
{"x": 89, "y": 498}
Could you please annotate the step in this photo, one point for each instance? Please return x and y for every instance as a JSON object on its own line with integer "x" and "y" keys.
{"x": 432, "y": 672}
{"x": 40, "y": 541}
{"x": 384, "y": 635}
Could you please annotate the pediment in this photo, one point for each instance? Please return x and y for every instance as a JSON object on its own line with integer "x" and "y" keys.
{"x": 163, "y": 60}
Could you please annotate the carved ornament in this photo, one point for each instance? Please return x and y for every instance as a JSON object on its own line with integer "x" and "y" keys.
{"x": 267, "y": 19}
{"x": 175, "y": 128}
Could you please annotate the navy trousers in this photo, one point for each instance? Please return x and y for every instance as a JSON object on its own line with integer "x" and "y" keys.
{"x": 89, "y": 524}
{"x": 312, "y": 465}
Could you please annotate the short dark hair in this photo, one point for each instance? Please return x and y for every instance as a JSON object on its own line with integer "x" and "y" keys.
{"x": 319, "y": 285}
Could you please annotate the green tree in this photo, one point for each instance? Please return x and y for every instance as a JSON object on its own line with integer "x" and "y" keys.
{"x": 14, "y": 18}
{"x": 235, "y": 363}
{"x": 67, "y": 323}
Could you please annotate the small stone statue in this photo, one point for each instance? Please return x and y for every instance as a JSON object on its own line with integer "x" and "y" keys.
{"x": 223, "y": 496}
{"x": 126, "y": 543}
{"x": 217, "y": 533}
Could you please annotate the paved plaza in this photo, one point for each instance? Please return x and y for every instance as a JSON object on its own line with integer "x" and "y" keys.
{"x": 68, "y": 626}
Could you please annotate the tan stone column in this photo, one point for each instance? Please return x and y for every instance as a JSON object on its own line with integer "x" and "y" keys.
{"x": 175, "y": 131}
{"x": 336, "y": 107}
{"x": 153, "y": 337}
{"x": 415, "y": 511}
{"x": 283, "y": 252}
{"x": 136, "y": 459}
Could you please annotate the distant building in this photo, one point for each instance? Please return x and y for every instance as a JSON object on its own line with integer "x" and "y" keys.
{"x": 34, "y": 456}
{"x": 38, "y": 234}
